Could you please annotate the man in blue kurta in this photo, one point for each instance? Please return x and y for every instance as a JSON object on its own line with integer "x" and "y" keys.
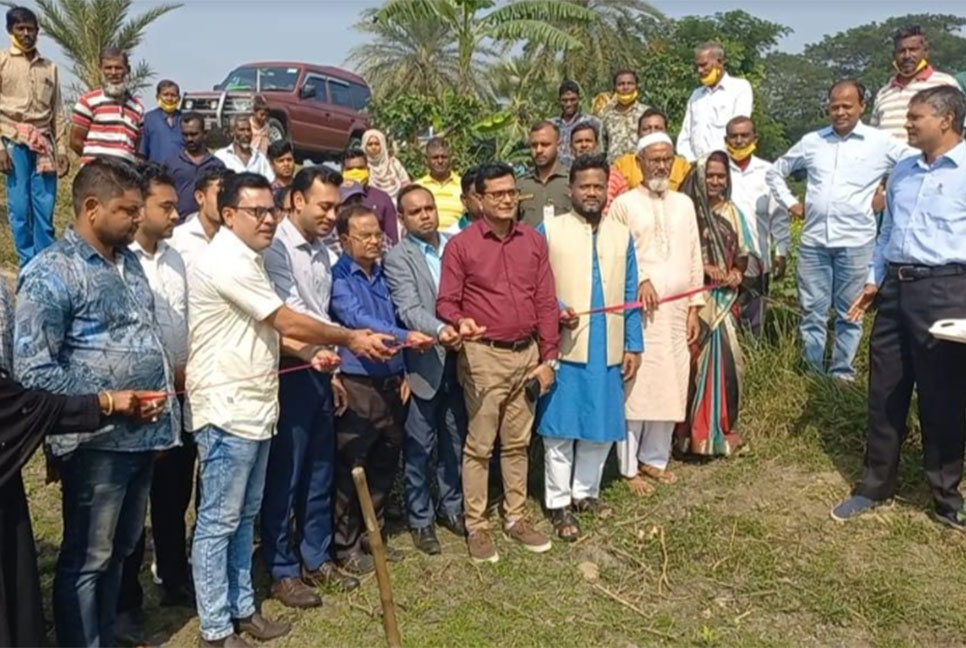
{"x": 594, "y": 266}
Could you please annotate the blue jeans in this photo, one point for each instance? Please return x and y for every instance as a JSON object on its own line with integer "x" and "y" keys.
{"x": 301, "y": 467}
{"x": 30, "y": 203}
{"x": 105, "y": 496}
{"x": 440, "y": 424}
{"x": 232, "y": 474}
{"x": 827, "y": 278}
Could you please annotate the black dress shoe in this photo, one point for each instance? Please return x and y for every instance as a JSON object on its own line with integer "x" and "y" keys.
{"x": 453, "y": 523}
{"x": 328, "y": 575}
{"x": 424, "y": 539}
{"x": 129, "y": 628}
{"x": 358, "y": 563}
{"x": 261, "y": 628}
{"x": 231, "y": 641}
{"x": 292, "y": 592}
{"x": 393, "y": 555}
{"x": 180, "y": 596}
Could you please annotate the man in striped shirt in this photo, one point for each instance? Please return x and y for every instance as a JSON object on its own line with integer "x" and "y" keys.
{"x": 107, "y": 121}
{"x": 913, "y": 73}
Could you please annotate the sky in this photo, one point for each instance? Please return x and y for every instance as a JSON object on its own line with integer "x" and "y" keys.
{"x": 198, "y": 44}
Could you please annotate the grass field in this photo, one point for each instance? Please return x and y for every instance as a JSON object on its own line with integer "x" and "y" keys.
{"x": 740, "y": 552}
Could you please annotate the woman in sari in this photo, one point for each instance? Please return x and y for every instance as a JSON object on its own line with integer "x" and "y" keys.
{"x": 26, "y": 417}
{"x": 385, "y": 171}
{"x": 718, "y": 365}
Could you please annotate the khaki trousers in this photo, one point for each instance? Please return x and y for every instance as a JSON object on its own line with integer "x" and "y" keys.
{"x": 496, "y": 404}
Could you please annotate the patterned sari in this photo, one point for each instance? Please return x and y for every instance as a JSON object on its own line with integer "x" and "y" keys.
{"x": 717, "y": 361}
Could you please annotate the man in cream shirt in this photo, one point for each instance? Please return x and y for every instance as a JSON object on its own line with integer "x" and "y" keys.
{"x": 236, "y": 321}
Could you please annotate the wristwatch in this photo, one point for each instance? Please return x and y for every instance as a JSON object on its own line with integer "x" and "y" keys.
{"x": 553, "y": 364}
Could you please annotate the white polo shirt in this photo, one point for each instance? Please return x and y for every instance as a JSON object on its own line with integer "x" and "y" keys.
{"x": 166, "y": 276}
{"x": 232, "y": 379}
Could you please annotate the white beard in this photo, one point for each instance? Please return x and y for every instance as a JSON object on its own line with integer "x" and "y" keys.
{"x": 115, "y": 90}
{"x": 658, "y": 185}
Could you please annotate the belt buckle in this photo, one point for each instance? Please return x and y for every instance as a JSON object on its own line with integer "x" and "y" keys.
{"x": 901, "y": 273}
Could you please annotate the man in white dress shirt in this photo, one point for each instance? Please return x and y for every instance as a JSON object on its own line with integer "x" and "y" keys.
{"x": 767, "y": 219}
{"x": 711, "y": 106}
{"x": 845, "y": 163}
{"x": 240, "y": 155}
{"x": 173, "y": 470}
{"x": 191, "y": 237}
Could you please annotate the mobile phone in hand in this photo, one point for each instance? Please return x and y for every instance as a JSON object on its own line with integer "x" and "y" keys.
{"x": 532, "y": 389}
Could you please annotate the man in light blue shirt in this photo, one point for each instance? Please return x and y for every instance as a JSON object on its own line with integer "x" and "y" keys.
{"x": 917, "y": 277}
{"x": 437, "y": 415}
{"x": 301, "y": 461}
{"x": 844, "y": 162}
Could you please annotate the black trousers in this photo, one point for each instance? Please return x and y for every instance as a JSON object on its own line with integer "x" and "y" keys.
{"x": 902, "y": 355}
{"x": 369, "y": 434}
{"x": 171, "y": 487}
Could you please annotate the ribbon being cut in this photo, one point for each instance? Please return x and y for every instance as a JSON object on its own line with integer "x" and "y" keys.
{"x": 636, "y": 304}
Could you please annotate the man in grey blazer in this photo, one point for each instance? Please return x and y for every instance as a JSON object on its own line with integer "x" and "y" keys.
{"x": 437, "y": 413}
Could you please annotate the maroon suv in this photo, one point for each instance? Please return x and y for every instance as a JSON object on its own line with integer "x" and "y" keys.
{"x": 320, "y": 108}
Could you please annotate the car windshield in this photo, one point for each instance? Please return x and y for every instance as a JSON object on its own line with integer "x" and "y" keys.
{"x": 280, "y": 79}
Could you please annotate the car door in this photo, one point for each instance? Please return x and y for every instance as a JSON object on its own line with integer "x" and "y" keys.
{"x": 342, "y": 112}
{"x": 308, "y": 127}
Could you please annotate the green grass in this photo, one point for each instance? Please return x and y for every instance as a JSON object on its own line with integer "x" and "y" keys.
{"x": 749, "y": 555}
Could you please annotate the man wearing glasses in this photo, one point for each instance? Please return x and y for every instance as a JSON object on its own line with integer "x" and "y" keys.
{"x": 237, "y": 323}
{"x": 497, "y": 289}
{"x": 369, "y": 424}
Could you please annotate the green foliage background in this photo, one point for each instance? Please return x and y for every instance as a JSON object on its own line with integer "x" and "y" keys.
{"x": 483, "y": 92}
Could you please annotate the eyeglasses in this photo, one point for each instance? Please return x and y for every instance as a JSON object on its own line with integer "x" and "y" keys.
{"x": 512, "y": 194}
{"x": 375, "y": 237}
{"x": 261, "y": 213}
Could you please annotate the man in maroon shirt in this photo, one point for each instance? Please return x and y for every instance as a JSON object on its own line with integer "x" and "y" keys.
{"x": 497, "y": 289}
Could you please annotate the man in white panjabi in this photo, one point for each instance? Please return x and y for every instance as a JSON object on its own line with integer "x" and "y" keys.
{"x": 665, "y": 233}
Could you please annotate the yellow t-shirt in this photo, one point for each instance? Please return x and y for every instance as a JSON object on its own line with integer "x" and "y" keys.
{"x": 447, "y": 195}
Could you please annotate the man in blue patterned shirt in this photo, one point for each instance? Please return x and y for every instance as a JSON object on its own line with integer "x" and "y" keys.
{"x": 84, "y": 323}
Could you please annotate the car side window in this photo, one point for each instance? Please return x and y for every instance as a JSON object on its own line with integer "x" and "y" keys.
{"x": 318, "y": 83}
{"x": 359, "y": 95}
{"x": 340, "y": 93}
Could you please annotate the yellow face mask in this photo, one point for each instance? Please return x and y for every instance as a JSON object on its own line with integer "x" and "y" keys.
{"x": 742, "y": 154}
{"x": 19, "y": 46}
{"x": 357, "y": 175}
{"x": 626, "y": 99}
{"x": 168, "y": 106}
{"x": 712, "y": 78}
{"x": 919, "y": 68}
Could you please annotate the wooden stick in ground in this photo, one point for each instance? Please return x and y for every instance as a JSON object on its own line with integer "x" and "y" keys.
{"x": 389, "y": 623}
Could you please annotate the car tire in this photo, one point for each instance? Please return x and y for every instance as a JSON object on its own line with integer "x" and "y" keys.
{"x": 355, "y": 141}
{"x": 276, "y": 130}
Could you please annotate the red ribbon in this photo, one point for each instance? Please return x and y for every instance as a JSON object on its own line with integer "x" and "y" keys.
{"x": 280, "y": 372}
{"x": 637, "y": 304}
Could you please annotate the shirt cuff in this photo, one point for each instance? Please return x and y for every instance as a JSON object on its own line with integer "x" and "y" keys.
{"x": 876, "y": 275}
{"x": 439, "y": 329}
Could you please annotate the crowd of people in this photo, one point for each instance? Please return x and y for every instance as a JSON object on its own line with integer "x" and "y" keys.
{"x": 229, "y": 330}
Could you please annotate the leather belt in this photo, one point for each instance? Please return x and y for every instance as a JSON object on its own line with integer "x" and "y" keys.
{"x": 913, "y": 272}
{"x": 516, "y": 345}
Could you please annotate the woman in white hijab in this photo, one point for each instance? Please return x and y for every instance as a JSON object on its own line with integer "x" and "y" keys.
{"x": 385, "y": 171}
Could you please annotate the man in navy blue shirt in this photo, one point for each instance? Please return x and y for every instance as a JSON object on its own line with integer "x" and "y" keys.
{"x": 161, "y": 130}
{"x": 187, "y": 164}
{"x": 370, "y": 396}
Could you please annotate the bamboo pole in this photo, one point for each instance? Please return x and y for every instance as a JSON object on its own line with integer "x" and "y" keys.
{"x": 389, "y": 622}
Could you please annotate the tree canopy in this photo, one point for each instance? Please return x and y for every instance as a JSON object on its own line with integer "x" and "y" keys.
{"x": 511, "y": 56}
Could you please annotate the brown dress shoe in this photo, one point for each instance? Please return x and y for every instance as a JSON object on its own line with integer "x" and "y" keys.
{"x": 328, "y": 575}
{"x": 293, "y": 593}
{"x": 261, "y": 628}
